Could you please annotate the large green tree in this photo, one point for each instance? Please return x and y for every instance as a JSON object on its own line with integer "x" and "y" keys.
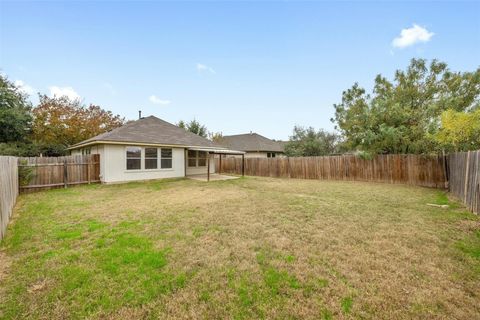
{"x": 194, "y": 126}
{"x": 402, "y": 116}
{"x": 15, "y": 113}
{"x": 307, "y": 142}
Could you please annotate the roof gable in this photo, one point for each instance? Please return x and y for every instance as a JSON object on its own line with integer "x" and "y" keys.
{"x": 151, "y": 130}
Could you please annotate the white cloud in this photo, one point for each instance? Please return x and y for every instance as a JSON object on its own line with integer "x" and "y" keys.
{"x": 25, "y": 88}
{"x": 156, "y": 100}
{"x": 411, "y": 36}
{"x": 64, "y": 91}
{"x": 204, "y": 68}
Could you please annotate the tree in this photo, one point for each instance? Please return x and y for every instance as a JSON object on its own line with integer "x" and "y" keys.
{"x": 194, "y": 127}
{"x": 60, "y": 121}
{"x": 215, "y": 136}
{"x": 459, "y": 131}
{"x": 15, "y": 113}
{"x": 402, "y": 116}
{"x": 308, "y": 142}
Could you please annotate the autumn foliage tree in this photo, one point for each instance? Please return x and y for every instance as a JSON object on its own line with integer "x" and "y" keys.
{"x": 61, "y": 121}
{"x": 459, "y": 131}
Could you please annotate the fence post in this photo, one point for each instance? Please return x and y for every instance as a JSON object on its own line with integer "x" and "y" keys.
{"x": 88, "y": 168}
{"x": 65, "y": 173}
{"x": 243, "y": 164}
{"x": 467, "y": 167}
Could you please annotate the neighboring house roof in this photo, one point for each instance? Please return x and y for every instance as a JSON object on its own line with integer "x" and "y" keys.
{"x": 150, "y": 130}
{"x": 251, "y": 142}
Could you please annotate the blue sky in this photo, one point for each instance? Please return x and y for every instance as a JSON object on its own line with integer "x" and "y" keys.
{"x": 234, "y": 66}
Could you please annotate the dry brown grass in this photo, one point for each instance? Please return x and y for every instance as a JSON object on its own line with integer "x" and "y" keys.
{"x": 247, "y": 248}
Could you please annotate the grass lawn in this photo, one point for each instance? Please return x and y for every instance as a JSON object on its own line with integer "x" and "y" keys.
{"x": 246, "y": 248}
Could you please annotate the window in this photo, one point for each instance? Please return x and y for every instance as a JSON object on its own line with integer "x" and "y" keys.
{"x": 197, "y": 158}
{"x": 134, "y": 158}
{"x": 166, "y": 160}
{"x": 151, "y": 158}
{"x": 271, "y": 154}
{"x": 202, "y": 159}
{"x": 192, "y": 158}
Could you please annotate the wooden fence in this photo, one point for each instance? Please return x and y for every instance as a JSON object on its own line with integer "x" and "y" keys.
{"x": 464, "y": 178}
{"x": 427, "y": 171}
{"x": 58, "y": 172}
{"x": 8, "y": 190}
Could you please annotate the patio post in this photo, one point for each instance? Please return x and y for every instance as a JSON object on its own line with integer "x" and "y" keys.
{"x": 208, "y": 167}
{"x": 220, "y": 169}
{"x": 243, "y": 165}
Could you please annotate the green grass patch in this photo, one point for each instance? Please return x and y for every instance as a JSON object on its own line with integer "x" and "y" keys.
{"x": 471, "y": 245}
{"x": 346, "y": 304}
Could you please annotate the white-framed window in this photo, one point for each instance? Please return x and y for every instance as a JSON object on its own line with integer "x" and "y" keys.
{"x": 134, "y": 158}
{"x": 148, "y": 158}
{"x": 151, "y": 158}
{"x": 166, "y": 158}
{"x": 202, "y": 159}
{"x": 197, "y": 158}
{"x": 271, "y": 154}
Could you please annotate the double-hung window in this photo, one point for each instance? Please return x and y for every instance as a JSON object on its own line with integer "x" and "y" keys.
{"x": 202, "y": 159}
{"x": 134, "y": 158}
{"x": 197, "y": 158}
{"x": 166, "y": 160}
{"x": 151, "y": 158}
{"x": 192, "y": 158}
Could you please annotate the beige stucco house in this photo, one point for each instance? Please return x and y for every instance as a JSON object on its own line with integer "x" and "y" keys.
{"x": 254, "y": 145}
{"x": 150, "y": 148}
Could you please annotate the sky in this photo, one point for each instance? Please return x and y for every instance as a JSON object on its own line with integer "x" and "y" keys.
{"x": 234, "y": 66}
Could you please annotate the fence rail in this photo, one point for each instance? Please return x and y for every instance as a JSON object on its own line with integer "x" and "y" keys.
{"x": 56, "y": 172}
{"x": 464, "y": 178}
{"x": 8, "y": 190}
{"x": 427, "y": 171}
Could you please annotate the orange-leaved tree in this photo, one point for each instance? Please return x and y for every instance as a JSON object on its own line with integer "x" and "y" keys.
{"x": 63, "y": 121}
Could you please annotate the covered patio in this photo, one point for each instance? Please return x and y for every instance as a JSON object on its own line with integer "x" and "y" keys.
{"x": 207, "y": 176}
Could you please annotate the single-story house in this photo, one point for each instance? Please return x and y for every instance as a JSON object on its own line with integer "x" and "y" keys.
{"x": 151, "y": 148}
{"x": 254, "y": 145}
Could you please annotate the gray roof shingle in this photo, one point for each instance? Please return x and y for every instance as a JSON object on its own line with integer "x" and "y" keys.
{"x": 251, "y": 142}
{"x": 151, "y": 130}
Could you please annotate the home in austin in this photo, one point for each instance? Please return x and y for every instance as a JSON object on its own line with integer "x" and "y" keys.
{"x": 151, "y": 148}
{"x": 254, "y": 145}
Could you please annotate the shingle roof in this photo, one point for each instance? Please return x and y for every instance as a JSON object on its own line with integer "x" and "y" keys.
{"x": 250, "y": 142}
{"x": 151, "y": 130}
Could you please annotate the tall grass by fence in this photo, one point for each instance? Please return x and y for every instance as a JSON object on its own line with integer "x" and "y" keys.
{"x": 464, "y": 178}
{"x": 58, "y": 172}
{"x": 427, "y": 171}
{"x": 8, "y": 190}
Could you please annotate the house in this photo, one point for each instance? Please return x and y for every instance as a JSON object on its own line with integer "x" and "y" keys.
{"x": 151, "y": 148}
{"x": 254, "y": 145}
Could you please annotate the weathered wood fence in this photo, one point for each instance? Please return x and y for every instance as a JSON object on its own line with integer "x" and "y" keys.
{"x": 8, "y": 190}
{"x": 464, "y": 178}
{"x": 58, "y": 172}
{"x": 427, "y": 171}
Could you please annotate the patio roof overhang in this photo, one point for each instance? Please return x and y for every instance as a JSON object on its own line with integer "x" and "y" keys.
{"x": 217, "y": 151}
